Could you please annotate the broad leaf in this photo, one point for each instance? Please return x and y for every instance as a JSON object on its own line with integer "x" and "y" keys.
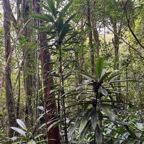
{"x": 98, "y": 134}
{"x": 85, "y": 129}
{"x": 104, "y": 92}
{"x": 54, "y": 124}
{"x": 59, "y": 25}
{"x": 85, "y": 119}
{"x": 65, "y": 30}
{"x": 20, "y": 131}
{"x": 21, "y": 124}
{"x": 14, "y": 138}
{"x": 69, "y": 19}
{"x": 103, "y": 72}
{"x": 64, "y": 10}
{"x": 31, "y": 142}
{"x": 94, "y": 119}
{"x": 124, "y": 80}
{"x": 71, "y": 131}
{"x": 99, "y": 66}
{"x": 58, "y": 4}
{"x": 104, "y": 76}
{"x": 87, "y": 76}
{"x": 52, "y": 7}
{"x": 110, "y": 114}
{"x": 113, "y": 77}
{"x": 140, "y": 126}
{"x": 41, "y": 108}
{"x": 44, "y": 6}
{"x": 45, "y": 17}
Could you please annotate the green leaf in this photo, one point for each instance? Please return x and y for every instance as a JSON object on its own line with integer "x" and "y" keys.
{"x": 124, "y": 80}
{"x": 85, "y": 129}
{"x": 54, "y": 124}
{"x": 98, "y": 134}
{"x": 65, "y": 30}
{"x": 84, "y": 120}
{"x": 110, "y": 114}
{"x": 76, "y": 124}
{"x": 94, "y": 119}
{"x": 87, "y": 76}
{"x": 46, "y": 17}
{"x": 103, "y": 72}
{"x": 140, "y": 126}
{"x": 113, "y": 76}
{"x": 99, "y": 66}
{"x": 21, "y": 124}
{"x": 58, "y": 3}
{"x": 52, "y": 7}
{"x": 59, "y": 25}
{"x": 64, "y": 10}
{"x": 104, "y": 76}
{"x": 34, "y": 27}
{"x": 20, "y": 131}
{"x": 104, "y": 92}
{"x": 31, "y": 142}
{"x": 70, "y": 18}
{"x": 44, "y": 6}
{"x": 49, "y": 17}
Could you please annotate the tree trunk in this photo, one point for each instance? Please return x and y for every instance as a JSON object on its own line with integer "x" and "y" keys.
{"x": 116, "y": 42}
{"x": 90, "y": 37}
{"x": 28, "y": 63}
{"x": 95, "y": 31}
{"x": 8, "y": 85}
{"x": 50, "y": 102}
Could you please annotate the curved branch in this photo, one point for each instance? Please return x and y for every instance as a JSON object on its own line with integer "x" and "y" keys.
{"x": 132, "y": 32}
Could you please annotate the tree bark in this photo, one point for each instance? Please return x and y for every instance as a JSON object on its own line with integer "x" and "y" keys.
{"x": 8, "y": 85}
{"x": 90, "y": 37}
{"x": 95, "y": 31}
{"x": 23, "y": 16}
{"x": 50, "y": 102}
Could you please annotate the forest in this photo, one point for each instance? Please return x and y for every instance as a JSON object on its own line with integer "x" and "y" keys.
{"x": 72, "y": 72}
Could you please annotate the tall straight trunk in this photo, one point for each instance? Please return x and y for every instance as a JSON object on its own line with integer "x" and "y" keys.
{"x": 28, "y": 64}
{"x": 95, "y": 31}
{"x": 116, "y": 42}
{"x": 50, "y": 102}
{"x": 19, "y": 94}
{"x": 61, "y": 93}
{"x": 81, "y": 54}
{"x": 90, "y": 37}
{"x": 8, "y": 85}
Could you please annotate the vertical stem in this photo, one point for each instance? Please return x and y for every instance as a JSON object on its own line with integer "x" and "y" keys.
{"x": 126, "y": 97}
{"x": 8, "y": 84}
{"x": 50, "y": 102}
{"x": 95, "y": 31}
{"x": 19, "y": 93}
{"x": 90, "y": 37}
{"x": 62, "y": 93}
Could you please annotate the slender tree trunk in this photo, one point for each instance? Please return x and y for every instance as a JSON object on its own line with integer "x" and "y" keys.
{"x": 50, "y": 102}
{"x": 19, "y": 93}
{"x": 95, "y": 31}
{"x": 90, "y": 37}
{"x": 61, "y": 93}
{"x": 116, "y": 42}
{"x": 81, "y": 54}
{"x": 8, "y": 85}
{"x": 28, "y": 64}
